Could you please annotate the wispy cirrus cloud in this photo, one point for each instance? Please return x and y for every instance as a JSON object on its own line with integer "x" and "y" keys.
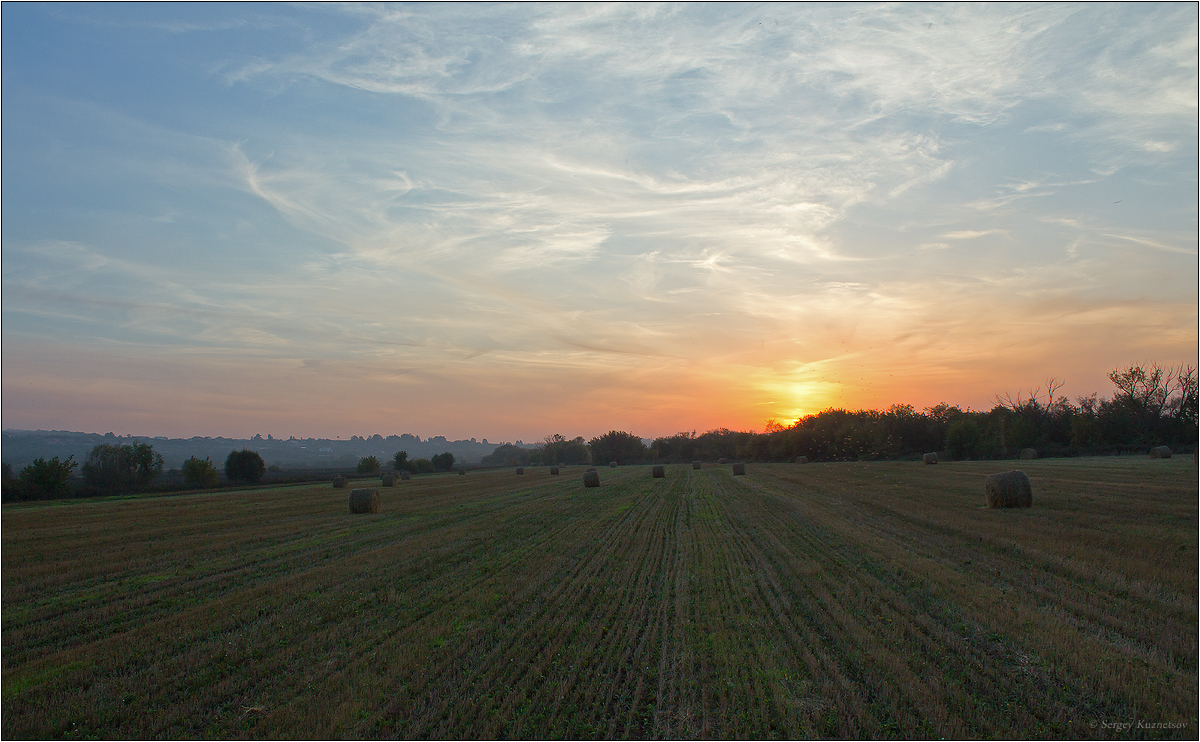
{"x": 971, "y": 234}
{"x": 681, "y": 197}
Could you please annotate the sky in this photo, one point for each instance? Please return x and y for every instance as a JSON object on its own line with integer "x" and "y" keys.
{"x": 508, "y": 221}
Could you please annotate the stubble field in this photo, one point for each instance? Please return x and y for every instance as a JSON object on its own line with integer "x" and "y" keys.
{"x": 799, "y": 601}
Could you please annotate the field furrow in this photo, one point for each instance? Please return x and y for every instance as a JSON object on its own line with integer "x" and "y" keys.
{"x": 848, "y": 600}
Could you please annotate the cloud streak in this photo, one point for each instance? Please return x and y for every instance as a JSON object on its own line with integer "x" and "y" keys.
{"x": 768, "y": 208}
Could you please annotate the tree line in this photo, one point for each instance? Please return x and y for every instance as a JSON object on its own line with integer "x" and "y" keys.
{"x": 115, "y": 469}
{"x": 400, "y": 462}
{"x": 1151, "y": 406}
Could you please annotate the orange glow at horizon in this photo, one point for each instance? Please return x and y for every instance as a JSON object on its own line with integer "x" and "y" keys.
{"x": 700, "y": 241}
{"x": 685, "y": 385}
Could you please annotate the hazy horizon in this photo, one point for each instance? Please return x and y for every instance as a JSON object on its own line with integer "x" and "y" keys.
{"x": 508, "y": 221}
{"x": 998, "y": 399}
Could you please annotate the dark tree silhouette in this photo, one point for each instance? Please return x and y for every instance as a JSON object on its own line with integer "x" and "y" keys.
{"x": 618, "y": 446}
{"x": 200, "y": 472}
{"x": 442, "y": 461}
{"x": 244, "y": 466}
{"x": 111, "y": 468}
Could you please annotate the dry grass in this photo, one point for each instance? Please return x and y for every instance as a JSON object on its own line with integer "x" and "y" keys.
{"x": 832, "y": 600}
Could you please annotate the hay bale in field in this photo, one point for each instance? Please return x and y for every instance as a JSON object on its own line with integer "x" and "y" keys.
{"x": 612, "y": 465}
{"x": 389, "y": 480}
{"x": 722, "y": 461}
{"x": 658, "y": 472}
{"x": 1160, "y": 452}
{"x": 1028, "y": 454}
{"x": 554, "y": 470}
{"x": 591, "y": 478}
{"x": 695, "y": 464}
{"x": 930, "y": 458}
{"x": 1009, "y": 489}
{"x": 739, "y": 469}
{"x": 365, "y": 500}
{"x": 405, "y": 476}
{"x": 520, "y": 470}
{"x": 339, "y": 481}
{"x": 801, "y": 459}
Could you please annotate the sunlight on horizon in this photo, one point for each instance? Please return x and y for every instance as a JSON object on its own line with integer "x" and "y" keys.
{"x": 506, "y": 220}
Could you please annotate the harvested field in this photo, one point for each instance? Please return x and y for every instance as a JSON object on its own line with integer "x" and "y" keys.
{"x": 843, "y": 600}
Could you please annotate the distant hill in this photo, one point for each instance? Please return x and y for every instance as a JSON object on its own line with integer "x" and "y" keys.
{"x": 20, "y": 447}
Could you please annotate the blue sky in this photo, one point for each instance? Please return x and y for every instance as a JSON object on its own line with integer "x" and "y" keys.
{"x": 505, "y": 221}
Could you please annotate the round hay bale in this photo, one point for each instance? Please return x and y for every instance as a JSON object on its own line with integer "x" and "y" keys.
{"x": 1008, "y": 489}
{"x": 339, "y": 482}
{"x": 722, "y": 461}
{"x": 389, "y": 480}
{"x": 591, "y": 478}
{"x": 612, "y": 465}
{"x": 739, "y": 469}
{"x": 520, "y": 470}
{"x": 801, "y": 459}
{"x": 930, "y": 458}
{"x": 695, "y": 464}
{"x": 554, "y": 470}
{"x": 1028, "y": 454}
{"x": 658, "y": 472}
{"x": 365, "y": 500}
{"x": 1160, "y": 452}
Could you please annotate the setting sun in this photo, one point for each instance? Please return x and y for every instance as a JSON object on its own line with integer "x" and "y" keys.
{"x": 384, "y": 221}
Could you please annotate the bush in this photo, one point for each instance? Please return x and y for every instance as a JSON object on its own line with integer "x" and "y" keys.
{"x": 623, "y": 448}
{"x": 442, "y": 461}
{"x": 422, "y": 466}
{"x": 368, "y": 465}
{"x": 556, "y": 449}
{"x": 10, "y": 483}
{"x": 507, "y": 455}
{"x": 111, "y": 469}
{"x": 963, "y": 438}
{"x": 244, "y": 466}
{"x": 41, "y": 480}
{"x": 400, "y": 461}
{"x": 200, "y": 473}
